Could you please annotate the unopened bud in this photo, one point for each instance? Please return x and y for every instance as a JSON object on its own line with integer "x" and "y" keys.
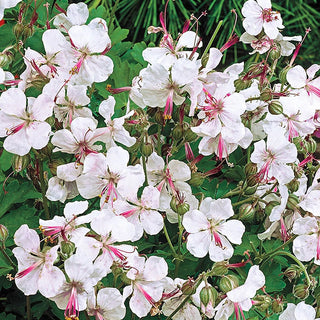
{"x": 247, "y": 212}
{"x": 177, "y": 132}
{"x": 266, "y": 94}
{"x": 301, "y": 291}
{"x": 311, "y": 145}
{"x": 67, "y": 248}
{"x": 292, "y": 202}
{"x": 275, "y": 107}
{"x": 252, "y": 180}
{"x": 197, "y": 179}
{"x": 228, "y": 283}
{"x": 275, "y": 52}
{"x": 283, "y": 74}
{"x": 313, "y": 282}
{"x": 18, "y": 29}
{"x": 19, "y": 163}
{"x": 204, "y": 60}
{"x": 208, "y": 294}
{"x": 250, "y": 190}
{"x": 293, "y": 185}
{"x": 241, "y": 84}
{"x": 4, "y": 60}
{"x": 220, "y": 268}
{"x": 4, "y": 233}
{"x": 158, "y": 117}
{"x": 292, "y": 272}
{"x": 188, "y": 287}
{"x": 277, "y": 306}
{"x": 178, "y": 206}
{"x": 250, "y": 169}
{"x": 262, "y": 302}
{"x": 27, "y": 31}
{"x": 189, "y": 135}
{"x": 300, "y": 144}
{"x": 146, "y": 149}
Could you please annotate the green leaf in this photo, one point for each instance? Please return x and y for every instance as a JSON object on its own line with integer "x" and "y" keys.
{"x": 15, "y": 218}
{"x": 5, "y": 160}
{"x": 16, "y": 193}
{"x": 274, "y": 282}
{"x": 5, "y": 266}
{"x": 118, "y": 35}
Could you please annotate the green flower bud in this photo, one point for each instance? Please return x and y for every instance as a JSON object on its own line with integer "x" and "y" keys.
{"x": 292, "y": 202}
{"x": 220, "y": 268}
{"x": 262, "y": 302}
{"x": 179, "y": 206}
{"x": 19, "y": 163}
{"x": 283, "y": 74}
{"x": 197, "y": 179}
{"x": 228, "y": 283}
{"x": 67, "y": 248}
{"x": 275, "y": 52}
{"x": 4, "y": 233}
{"x": 208, "y": 294}
{"x": 277, "y": 306}
{"x": 275, "y": 107}
{"x": 250, "y": 169}
{"x": 177, "y": 132}
{"x": 247, "y": 212}
{"x": 158, "y": 117}
{"x": 27, "y": 31}
{"x": 4, "y": 60}
{"x": 146, "y": 149}
{"x": 293, "y": 272}
{"x": 250, "y": 190}
{"x": 241, "y": 84}
{"x": 18, "y": 30}
{"x": 301, "y": 291}
{"x": 311, "y": 145}
{"x": 188, "y": 287}
{"x": 204, "y": 60}
{"x": 293, "y": 185}
{"x": 189, "y": 135}
{"x": 300, "y": 144}
{"x": 252, "y": 180}
{"x": 266, "y": 94}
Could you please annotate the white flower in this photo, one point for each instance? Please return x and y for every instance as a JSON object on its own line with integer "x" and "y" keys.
{"x": 36, "y": 270}
{"x": 301, "y": 311}
{"x": 24, "y": 126}
{"x": 259, "y": 15}
{"x": 209, "y": 230}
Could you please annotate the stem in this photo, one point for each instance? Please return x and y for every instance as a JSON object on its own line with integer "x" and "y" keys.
{"x": 145, "y": 171}
{"x": 43, "y": 191}
{"x": 29, "y": 316}
{"x": 12, "y": 264}
{"x": 212, "y": 38}
{"x": 298, "y": 262}
{"x": 86, "y": 315}
{"x": 169, "y": 240}
{"x": 231, "y": 193}
{"x": 159, "y": 140}
{"x": 280, "y": 247}
{"x": 243, "y": 201}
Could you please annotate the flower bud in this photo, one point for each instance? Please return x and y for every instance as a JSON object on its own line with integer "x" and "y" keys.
{"x": 266, "y": 94}
{"x": 247, "y": 212}
{"x": 67, "y": 248}
{"x": 275, "y": 52}
{"x": 197, "y": 179}
{"x": 177, "y": 132}
{"x": 313, "y": 282}
{"x": 19, "y": 163}
{"x": 241, "y": 84}
{"x": 4, "y": 233}
{"x": 27, "y": 31}
{"x": 208, "y": 294}
{"x": 4, "y": 60}
{"x": 189, "y": 135}
{"x": 18, "y": 29}
{"x": 188, "y": 287}
{"x": 301, "y": 291}
{"x": 179, "y": 206}
{"x": 270, "y": 206}
{"x": 220, "y": 268}
{"x": 283, "y": 74}
{"x": 311, "y": 145}
{"x": 292, "y": 272}
{"x": 204, "y": 60}
{"x": 146, "y": 149}
{"x": 277, "y": 306}
{"x": 54, "y": 164}
{"x": 228, "y": 283}
{"x": 250, "y": 169}
{"x": 293, "y": 185}
{"x": 292, "y": 202}
{"x": 158, "y": 117}
{"x": 262, "y": 302}
{"x": 250, "y": 190}
{"x": 275, "y": 107}
{"x": 300, "y": 144}
{"x": 151, "y": 111}
{"x": 252, "y": 180}
{"x": 125, "y": 279}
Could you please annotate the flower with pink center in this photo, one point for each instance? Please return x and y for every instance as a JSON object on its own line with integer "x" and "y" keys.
{"x": 142, "y": 213}
{"x": 111, "y": 230}
{"x": 106, "y": 305}
{"x": 147, "y": 283}
{"x": 168, "y": 179}
{"x": 259, "y": 15}
{"x": 307, "y": 245}
{"x": 109, "y": 176}
{"x": 299, "y": 78}
{"x": 209, "y": 230}
{"x": 272, "y": 158}
{"x": 24, "y": 126}
{"x": 80, "y": 140}
{"x": 35, "y": 266}
{"x": 67, "y": 228}
{"x": 239, "y": 299}
{"x": 72, "y": 296}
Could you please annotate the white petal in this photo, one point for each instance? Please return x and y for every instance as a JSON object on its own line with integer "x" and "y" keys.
{"x": 233, "y": 230}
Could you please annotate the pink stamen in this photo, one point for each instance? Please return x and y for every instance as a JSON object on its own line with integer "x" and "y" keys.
{"x": 77, "y": 67}
{"x": 117, "y": 252}
{"x": 262, "y": 175}
{"x": 169, "y": 179}
{"x": 15, "y": 129}
{"x": 169, "y": 106}
{"x": 284, "y": 234}
{"x": 129, "y": 213}
{"x": 117, "y": 90}
{"x": 296, "y": 51}
{"x": 312, "y": 89}
{"x": 23, "y": 273}
{"x": 72, "y": 309}
{"x": 146, "y": 295}
{"x": 292, "y": 131}
{"x": 217, "y": 239}
{"x": 222, "y": 148}
{"x": 232, "y": 41}
{"x": 308, "y": 159}
{"x": 189, "y": 152}
{"x": 318, "y": 248}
